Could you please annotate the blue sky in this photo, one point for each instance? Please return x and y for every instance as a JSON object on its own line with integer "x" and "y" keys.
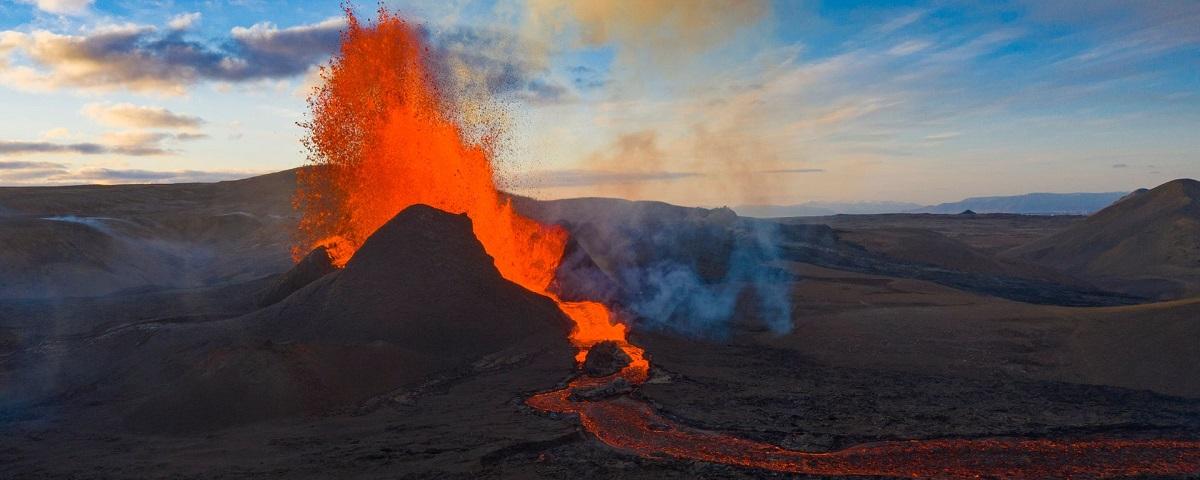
{"x": 706, "y": 102}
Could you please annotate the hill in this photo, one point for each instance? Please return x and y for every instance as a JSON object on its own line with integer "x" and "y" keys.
{"x": 1147, "y": 243}
{"x": 89, "y": 240}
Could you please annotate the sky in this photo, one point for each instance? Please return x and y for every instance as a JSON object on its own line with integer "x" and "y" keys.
{"x": 703, "y": 102}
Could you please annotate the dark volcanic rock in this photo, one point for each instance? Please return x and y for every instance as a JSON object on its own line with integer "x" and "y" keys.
{"x": 420, "y": 301}
{"x": 618, "y": 386}
{"x": 605, "y": 358}
{"x": 316, "y": 264}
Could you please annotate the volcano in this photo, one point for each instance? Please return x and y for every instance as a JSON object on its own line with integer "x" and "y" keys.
{"x": 434, "y": 326}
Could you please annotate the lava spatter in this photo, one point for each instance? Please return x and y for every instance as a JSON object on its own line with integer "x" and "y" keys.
{"x": 380, "y": 139}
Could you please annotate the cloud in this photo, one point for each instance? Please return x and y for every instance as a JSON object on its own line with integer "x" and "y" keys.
{"x": 61, "y": 7}
{"x": 187, "y": 136}
{"x": 46, "y": 173}
{"x": 266, "y": 51}
{"x": 796, "y": 170}
{"x": 143, "y": 58}
{"x": 56, "y": 133}
{"x": 19, "y": 171}
{"x": 909, "y": 47}
{"x": 8, "y": 148}
{"x": 146, "y": 140}
{"x": 133, "y": 138}
{"x": 19, "y": 165}
{"x": 184, "y": 21}
{"x": 135, "y": 116}
{"x": 852, "y": 109}
{"x": 23, "y": 148}
{"x": 937, "y": 137}
{"x": 109, "y": 175}
{"x": 134, "y": 142}
{"x": 901, "y": 21}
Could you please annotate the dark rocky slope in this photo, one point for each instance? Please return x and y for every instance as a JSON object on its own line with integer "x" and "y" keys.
{"x": 419, "y": 302}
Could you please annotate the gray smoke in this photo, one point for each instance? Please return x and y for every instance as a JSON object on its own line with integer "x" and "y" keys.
{"x": 674, "y": 294}
{"x": 689, "y": 271}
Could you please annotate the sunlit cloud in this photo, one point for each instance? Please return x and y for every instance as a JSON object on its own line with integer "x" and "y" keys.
{"x": 136, "y": 116}
{"x": 184, "y": 21}
{"x": 143, "y": 58}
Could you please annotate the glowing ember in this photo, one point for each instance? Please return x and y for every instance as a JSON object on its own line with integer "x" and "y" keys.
{"x": 380, "y": 141}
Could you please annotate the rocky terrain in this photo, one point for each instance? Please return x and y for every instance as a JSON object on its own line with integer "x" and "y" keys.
{"x": 96, "y": 240}
{"x": 414, "y": 361}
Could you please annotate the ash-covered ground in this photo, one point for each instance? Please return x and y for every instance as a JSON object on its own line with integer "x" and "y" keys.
{"x": 209, "y": 356}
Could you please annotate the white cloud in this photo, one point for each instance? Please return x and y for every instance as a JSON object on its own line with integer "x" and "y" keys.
{"x": 184, "y": 21}
{"x": 909, "y": 47}
{"x": 56, "y": 134}
{"x": 137, "y": 116}
{"x": 61, "y": 7}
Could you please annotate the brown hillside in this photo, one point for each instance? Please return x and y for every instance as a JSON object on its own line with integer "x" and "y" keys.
{"x": 1147, "y": 243}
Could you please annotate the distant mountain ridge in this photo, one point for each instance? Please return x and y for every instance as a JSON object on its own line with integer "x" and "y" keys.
{"x": 1026, "y": 204}
{"x": 1031, "y": 204}
{"x": 821, "y": 209}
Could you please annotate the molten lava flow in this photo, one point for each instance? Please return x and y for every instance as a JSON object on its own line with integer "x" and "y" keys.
{"x": 634, "y": 426}
{"x": 380, "y": 140}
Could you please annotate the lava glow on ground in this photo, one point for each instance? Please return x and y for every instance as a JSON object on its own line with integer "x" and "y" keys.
{"x": 632, "y": 425}
{"x": 382, "y": 140}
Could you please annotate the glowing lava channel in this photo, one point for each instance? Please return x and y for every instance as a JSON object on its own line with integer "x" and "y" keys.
{"x": 380, "y": 140}
{"x": 632, "y": 425}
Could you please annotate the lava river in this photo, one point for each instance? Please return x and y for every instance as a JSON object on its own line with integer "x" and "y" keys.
{"x": 631, "y": 425}
{"x": 383, "y": 135}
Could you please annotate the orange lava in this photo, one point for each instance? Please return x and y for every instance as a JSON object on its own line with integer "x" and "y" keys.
{"x": 381, "y": 140}
{"x": 632, "y": 425}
